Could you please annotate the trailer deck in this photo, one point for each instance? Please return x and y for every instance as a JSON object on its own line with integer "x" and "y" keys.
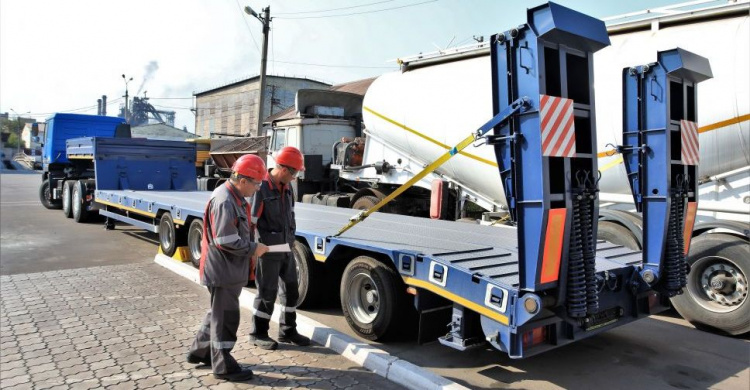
{"x": 490, "y": 250}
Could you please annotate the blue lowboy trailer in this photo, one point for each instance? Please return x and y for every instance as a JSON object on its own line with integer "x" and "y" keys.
{"x": 526, "y": 289}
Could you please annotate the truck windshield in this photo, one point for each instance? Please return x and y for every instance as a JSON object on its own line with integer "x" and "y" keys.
{"x": 279, "y": 139}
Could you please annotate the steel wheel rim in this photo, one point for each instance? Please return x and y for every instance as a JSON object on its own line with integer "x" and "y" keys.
{"x": 167, "y": 238}
{"x": 364, "y": 298}
{"x": 706, "y": 275}
{"x": 194, "y": 241}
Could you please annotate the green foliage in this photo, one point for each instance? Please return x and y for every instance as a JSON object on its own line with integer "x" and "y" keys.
{"x": 10, "y": 126}
{"x": 13, "y": 140}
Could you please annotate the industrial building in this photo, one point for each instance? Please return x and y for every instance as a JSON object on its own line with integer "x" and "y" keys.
{"x": 232, "y": 109}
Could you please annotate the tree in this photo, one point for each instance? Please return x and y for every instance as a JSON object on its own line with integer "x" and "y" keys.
{"x": 13, "y": 127}
{"x": 13, "y": 141}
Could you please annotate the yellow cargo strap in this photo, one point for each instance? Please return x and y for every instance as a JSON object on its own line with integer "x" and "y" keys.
{"x": 501, "y": 117}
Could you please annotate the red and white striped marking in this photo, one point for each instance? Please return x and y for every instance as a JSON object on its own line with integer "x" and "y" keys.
{"x": 690, "y": 148}
{"x": 558, "y": 129}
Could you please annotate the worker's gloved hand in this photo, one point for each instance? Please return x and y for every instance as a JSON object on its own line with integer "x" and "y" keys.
{"x": 260, "y": 250}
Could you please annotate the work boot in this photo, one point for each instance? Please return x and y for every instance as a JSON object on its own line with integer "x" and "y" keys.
{"x": 241, "y": 375}
{"x": 296, "y": 339}
{"x": 192, "y": 359}
{"x": 263, "y": 342}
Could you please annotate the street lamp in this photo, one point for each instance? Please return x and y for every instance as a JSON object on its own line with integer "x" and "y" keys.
{"x": 127, "y": 113}
{"x": 266, "y": 20}
{"x": 20, "y": 129}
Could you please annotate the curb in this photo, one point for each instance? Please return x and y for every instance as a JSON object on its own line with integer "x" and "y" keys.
{"x": 364, "y": 355}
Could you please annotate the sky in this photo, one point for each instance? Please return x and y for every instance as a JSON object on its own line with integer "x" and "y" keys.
{"x": 61, "y": 56}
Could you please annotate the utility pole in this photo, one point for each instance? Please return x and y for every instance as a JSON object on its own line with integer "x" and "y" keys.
{"x": 127, "y": 113}
{"x": 266, "y": 20}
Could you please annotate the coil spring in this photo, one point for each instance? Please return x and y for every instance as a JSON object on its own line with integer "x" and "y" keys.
{"x": 681, "y": 239}
{"x": 589, "y": 251}
{"x": 674, "y": 265}
{"x": 576, "y": 294}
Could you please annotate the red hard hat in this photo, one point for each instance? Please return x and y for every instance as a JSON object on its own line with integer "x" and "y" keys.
{"x": 250, "y": 165}
{"x": 291, "y": 157}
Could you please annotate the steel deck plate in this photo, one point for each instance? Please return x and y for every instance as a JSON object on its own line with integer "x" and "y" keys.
{"x": 489, "y": 250}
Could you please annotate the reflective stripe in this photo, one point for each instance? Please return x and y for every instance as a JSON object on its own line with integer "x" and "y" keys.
{"x": 203, "y": 344}
{"x": 289, "y": 309}
{"x": 227, "y": 239}
{"x": 260, "y": 314}
{"x": 223, "y": 344}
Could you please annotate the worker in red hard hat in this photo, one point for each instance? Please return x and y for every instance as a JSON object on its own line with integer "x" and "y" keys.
{"x": 273, "y": 214}
{"x": 226, "y": 248}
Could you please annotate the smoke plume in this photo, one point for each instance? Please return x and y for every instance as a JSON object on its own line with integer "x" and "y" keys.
{"x": 151, "y": 69}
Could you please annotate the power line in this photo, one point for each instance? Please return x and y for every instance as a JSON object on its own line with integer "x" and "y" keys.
{"x": 109, "y": 103}
{"x": 358, "y": 13}
{"x": 244, "y": 19}
{"x": 336, "y": 66}
{"x": 333, "y": 9}
{"x": 168, "y": 98}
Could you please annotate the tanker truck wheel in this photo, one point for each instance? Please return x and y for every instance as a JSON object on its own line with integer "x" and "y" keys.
{"x": 169, "y": 238}
{"x": 195, "y": 235}
{"x": 66, "y": 199}
{"x": 45, "y": 196}
{"x": 310, "y": 276}
{"x": 371, "y": 298}
{"x": 617, "y": 234}
{"x": 365, "y": 202}
{"x": 717, "y": 286}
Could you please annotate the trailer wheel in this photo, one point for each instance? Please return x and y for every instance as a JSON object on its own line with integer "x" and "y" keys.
{"x": 45, "y": 196}
{"x": 310, "y": 276}
{"x": 78, "y": 203}
{"x": 169, "y": 239}
{"x": 66, "y": 199}
{"x": 617, "y": 234}
{"x": 717, "y": 286}
{"x": 195, "y": 235}
{"x": 371, "y": 297}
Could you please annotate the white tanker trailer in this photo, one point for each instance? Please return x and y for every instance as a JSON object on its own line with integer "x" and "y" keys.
{"x": 412, "y": 117}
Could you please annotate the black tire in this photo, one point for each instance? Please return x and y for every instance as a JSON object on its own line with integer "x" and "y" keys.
{"x": 617, "y": 234}
{"x": 715, "y": 256}
{"x": 45, "y": 196}
{"x": 310, "y": 276}
{"x": 194, "y": 237}
{"x": 372, "y": 316}
{"x": 67, "y": 202}
{"x": 169, "y": 238}
{"x": 78, "y": 203}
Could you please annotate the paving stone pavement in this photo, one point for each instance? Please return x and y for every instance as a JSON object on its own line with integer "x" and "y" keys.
{"x": 129, "y": 327}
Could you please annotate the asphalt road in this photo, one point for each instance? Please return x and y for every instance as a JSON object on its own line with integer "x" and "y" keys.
{"x": 662, "y": 352}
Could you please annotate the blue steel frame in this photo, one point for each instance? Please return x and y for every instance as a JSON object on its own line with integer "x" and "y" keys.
{"x": 519, "y": 76}
{"x": 519, "y": 69}
{"x": 651, "y": 141}
{"x": 140, "y": 167}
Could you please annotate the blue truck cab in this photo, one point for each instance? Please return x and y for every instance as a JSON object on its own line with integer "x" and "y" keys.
{"x": 56, "y": 167}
